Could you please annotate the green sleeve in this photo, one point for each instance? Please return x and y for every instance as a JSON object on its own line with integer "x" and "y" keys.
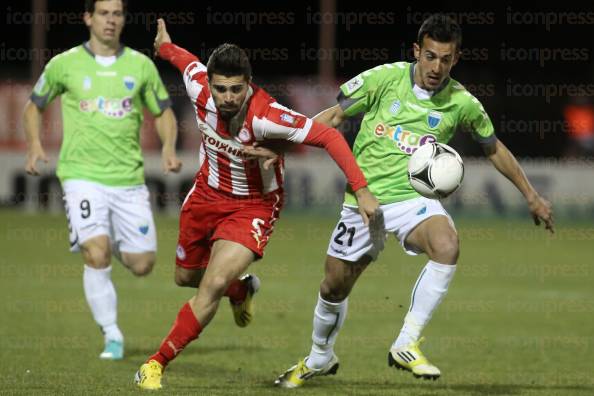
{"x": 358, "y": 94}
{"x": 154, "y": 93}
{"x": 476, "y": 120}
{"x": 50, "y": 84}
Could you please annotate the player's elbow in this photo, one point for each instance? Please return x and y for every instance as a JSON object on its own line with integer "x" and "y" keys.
{"x": 31, "y": 110}
{"x": 337, "y": 119}
{"x": 166, "y": 120}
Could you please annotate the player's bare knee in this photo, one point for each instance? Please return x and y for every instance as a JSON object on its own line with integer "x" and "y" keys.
{"x": 445, "y": 248}
{"x": 143, "y": 266}
{"x": 333, "y": 292}
{"x": 187, "y": 278}
{"x": 184, "y": 279}
{"x": 180, "y": 279}
{"x": 96, "y": 256}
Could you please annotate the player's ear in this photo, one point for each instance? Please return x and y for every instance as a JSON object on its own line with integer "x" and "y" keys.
{"x": 456, "y": 57}
{"x": 87, "y": 18}
{"x": 417, "y": 51}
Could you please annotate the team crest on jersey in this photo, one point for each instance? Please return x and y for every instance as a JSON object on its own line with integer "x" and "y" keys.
{"x": 244, "y": 135}
{"x": 395, "y": 107}
{"x": 129, "y": 82}
{"x": 87, "y": 83}
{"x": 288, "y": 118}
{"x": 407, "y": 141}
{"x": 353, "y": 85}
{"x": 434, "y": 118}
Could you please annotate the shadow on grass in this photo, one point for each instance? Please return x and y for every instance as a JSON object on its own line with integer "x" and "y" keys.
{"x": 430, "y": 389}
{"x": 203, "y": 350}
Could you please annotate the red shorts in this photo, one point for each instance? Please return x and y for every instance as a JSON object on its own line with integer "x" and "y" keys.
{"x": 208, "y": 215}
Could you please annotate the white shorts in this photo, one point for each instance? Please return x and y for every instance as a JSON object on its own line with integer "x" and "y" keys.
{"x": 122, "y": 213}
{"x": 350, "y": 239}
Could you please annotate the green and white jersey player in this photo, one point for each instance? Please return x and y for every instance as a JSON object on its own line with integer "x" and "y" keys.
{"x": 405, "y": 105}
{"x": 104, "y": 87}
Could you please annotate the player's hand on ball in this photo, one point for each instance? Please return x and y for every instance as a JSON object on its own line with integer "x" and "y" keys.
{"x": 162, "y": 36}
{"x": 34, "y": 154}
{"x": 170, "y": 162}
{"x": 542, "y": 211}
{"x": 368, "y": 204}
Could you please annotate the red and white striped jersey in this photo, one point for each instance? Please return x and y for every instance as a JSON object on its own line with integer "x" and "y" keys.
{"x": 223, "y": 166}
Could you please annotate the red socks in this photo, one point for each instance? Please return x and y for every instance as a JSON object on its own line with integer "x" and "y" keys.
{"x": 185, "y": 330}
{"x": 237, "y": 291}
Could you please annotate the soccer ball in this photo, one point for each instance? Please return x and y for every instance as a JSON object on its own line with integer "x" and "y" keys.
{"x": 435, "y": 170}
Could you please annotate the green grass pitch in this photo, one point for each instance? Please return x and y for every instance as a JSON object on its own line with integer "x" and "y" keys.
{"x": 518, "y": 320}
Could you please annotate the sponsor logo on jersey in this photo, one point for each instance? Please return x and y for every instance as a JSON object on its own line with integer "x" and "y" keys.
{"x": 422, "y": 211}
{"x": 395, "y": 107}
{"x": 113, "y": 108}
{"x": 353, "y": 85}
{"x": 129, "y": 82}
{"x": 288, "y": 118}
{"x": 231, "y": 147}
{"x": 407, "y": 141}
{"x": 87, "y": 83}
{"x": 433, "y": 119}
{"x": 180, "y": 252}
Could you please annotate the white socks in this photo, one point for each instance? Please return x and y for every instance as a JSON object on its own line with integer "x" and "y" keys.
{"x": 102, "y": 299}
{"x": 328, "y": 319}
{"x": 430, "y": 289}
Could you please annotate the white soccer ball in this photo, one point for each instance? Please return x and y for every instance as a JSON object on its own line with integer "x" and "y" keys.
{"x": 435, "y": 170}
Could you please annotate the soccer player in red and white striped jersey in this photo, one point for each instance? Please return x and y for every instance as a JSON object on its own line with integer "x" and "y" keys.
{"x": 228, "y": 216}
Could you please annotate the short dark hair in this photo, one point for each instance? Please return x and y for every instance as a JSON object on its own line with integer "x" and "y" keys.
{"x": 229, "y": 60}
{"x": 442, "y": 28}
{"x": 90, "y": 5}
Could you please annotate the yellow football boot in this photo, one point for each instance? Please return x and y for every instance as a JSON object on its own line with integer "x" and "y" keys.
{"x": 299, "y": 373}
{"x": 410, "y": 358}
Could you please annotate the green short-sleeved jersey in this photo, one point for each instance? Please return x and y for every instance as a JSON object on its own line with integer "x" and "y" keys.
{"x": 397, "y": 122}
{"x": 102, "y": 111}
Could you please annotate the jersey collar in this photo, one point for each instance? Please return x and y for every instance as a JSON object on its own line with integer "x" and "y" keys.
{"x": 118, "y": 53}
{"x": 412, "y": 80}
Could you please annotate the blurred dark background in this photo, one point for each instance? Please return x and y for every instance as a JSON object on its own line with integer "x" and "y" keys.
{"x": 525, "y": 64}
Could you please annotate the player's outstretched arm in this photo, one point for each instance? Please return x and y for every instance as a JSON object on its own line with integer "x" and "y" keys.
{"x": 165, "y": 49}
{"x": 332, "y": 116}
{"x": 507, "y": 165}
{"x": 162, "y": 36}
{"x": 32, "y": 123}
{"x": 166, "y": 126}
